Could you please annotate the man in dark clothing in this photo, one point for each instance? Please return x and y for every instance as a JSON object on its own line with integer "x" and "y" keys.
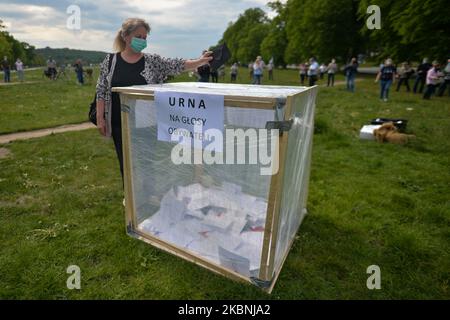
{"x": 421, "y": 77}
{"x": 6, "y": 69}
{"x": 214, "y": 76}
{"x": 350, "y": 73}
{"x": 204, "y": 71}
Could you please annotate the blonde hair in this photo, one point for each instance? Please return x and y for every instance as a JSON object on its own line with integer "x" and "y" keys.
{"x": 128, "y": 26}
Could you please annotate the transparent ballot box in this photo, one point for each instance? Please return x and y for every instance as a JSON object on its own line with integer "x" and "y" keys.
{"x": 238, "y": 214}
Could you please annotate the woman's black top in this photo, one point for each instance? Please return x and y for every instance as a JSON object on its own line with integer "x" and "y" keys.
{"x": 125, "y": 74}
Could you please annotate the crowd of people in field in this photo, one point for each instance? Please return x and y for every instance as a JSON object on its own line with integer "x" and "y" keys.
{"x": 51, "y": 71}
{"x": 429, "y": 78}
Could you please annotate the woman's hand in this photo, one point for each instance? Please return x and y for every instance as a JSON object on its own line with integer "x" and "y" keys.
{"x": 194, "y": 64}
{"x": 205, "y": 58}
{"x": 101, "y": 125}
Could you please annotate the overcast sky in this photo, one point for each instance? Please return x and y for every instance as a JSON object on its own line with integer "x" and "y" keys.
{"x": 180, "y": 28}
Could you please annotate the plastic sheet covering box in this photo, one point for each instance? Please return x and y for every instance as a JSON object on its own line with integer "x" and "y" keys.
{"x": 228, "y": 218}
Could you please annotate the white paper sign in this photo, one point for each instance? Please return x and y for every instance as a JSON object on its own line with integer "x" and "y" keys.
{"x": 189, "y": 111}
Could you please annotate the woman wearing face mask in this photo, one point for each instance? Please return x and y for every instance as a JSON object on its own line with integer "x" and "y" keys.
{"x": 129, "y": 66}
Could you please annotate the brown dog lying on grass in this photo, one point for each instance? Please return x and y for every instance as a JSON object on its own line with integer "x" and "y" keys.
{"x": 388, "y": 132}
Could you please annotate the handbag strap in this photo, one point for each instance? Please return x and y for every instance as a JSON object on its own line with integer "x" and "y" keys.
{"x": 111, "y": 70}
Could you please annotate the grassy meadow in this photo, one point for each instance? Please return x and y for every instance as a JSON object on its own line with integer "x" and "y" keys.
{"x": 369, "y": 204}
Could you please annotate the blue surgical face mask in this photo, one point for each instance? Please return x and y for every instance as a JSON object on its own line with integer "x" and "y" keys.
{"x": 138, "y": 44}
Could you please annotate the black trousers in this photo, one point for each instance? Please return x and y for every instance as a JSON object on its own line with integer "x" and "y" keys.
{"x": 403, "y": 81}
{"x": 419, "y": 84}
{"x": 302, "y": 78}
{"x": 443, "y": 88}
{"x": 330, "y": 79}
{"x": 312, "y": 80}
{"x": 117, "y": 138}
{"x": 431, "y": 88}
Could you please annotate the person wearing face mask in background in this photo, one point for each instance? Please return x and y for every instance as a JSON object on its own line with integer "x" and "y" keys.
{"x": 129, "y": 66}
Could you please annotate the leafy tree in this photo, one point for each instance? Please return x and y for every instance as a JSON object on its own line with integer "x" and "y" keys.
{"x": 244, "y": 36}
{"x": 5, "y": 46}
{"x": 275, "y": 43}
{"x": 411, "y": 29}
{"x": 327, "y": 29}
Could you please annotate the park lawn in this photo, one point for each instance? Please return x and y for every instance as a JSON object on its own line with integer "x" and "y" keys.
{"x": 369, "y": 204}
{"x": 42, "y": 103}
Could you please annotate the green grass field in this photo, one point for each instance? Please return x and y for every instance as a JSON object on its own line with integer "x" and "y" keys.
{"x": 61, "y": 204}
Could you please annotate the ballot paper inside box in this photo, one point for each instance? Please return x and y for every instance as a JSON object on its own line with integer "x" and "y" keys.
{"x": 228, "y": 218}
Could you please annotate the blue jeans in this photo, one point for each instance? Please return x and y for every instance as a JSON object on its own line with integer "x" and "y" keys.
{"x": 385, "y": 85}
{"x": 7, "y": 75}
{"x": 257, "y": 78}
{"x": 351, "y": 83}
{"x": 80, "y": 77}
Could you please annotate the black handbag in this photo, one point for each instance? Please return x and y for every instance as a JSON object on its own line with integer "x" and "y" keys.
{"x": 93, "y": 111}
{"x": 93, "y": 107}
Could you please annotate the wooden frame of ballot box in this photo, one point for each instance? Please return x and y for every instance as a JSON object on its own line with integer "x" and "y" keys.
{"x": 299, "y": 97}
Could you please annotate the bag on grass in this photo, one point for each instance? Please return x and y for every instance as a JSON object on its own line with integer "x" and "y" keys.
{"x": 399, "y": 123}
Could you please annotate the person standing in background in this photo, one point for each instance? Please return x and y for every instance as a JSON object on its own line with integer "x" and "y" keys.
{"x": 405, "y": 72}
{"x": 322, "y": 69}
{"x": 432, "y": 80}
{"x": 313, "y": 71}
{"x": 258, "y": 69}
{"x": 302, "y": 72}
{"x": 446, "y": 82}
{"x": 204, "y": 71}
{"x": 422, "y": 71}
{"x": 332, "y": 69}
{"x": 19, "y": 68}
{"x": 79, "y": 71}
{"x": 51, "y": 67}
{"x": 350, "y": 73}
{"x": 6, "y": 70}
{"x": 387, "y": 77}
{"x": 234, "y": 72}
{"x": 270, "y": 69}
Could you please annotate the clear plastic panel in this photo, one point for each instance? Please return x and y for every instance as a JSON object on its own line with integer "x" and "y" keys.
{"x": 216, "y": 212}
{"x": 296, "y": 175}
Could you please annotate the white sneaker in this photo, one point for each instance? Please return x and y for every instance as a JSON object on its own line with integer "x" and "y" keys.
{"x": 123, "y": 202}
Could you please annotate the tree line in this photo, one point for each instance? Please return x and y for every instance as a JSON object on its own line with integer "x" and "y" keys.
{"x": 13, "y": 49}
{"x": 410, "y": 30}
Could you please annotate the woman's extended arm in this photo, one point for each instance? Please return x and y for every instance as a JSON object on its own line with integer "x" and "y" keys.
{"x": 195, "y": 63}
